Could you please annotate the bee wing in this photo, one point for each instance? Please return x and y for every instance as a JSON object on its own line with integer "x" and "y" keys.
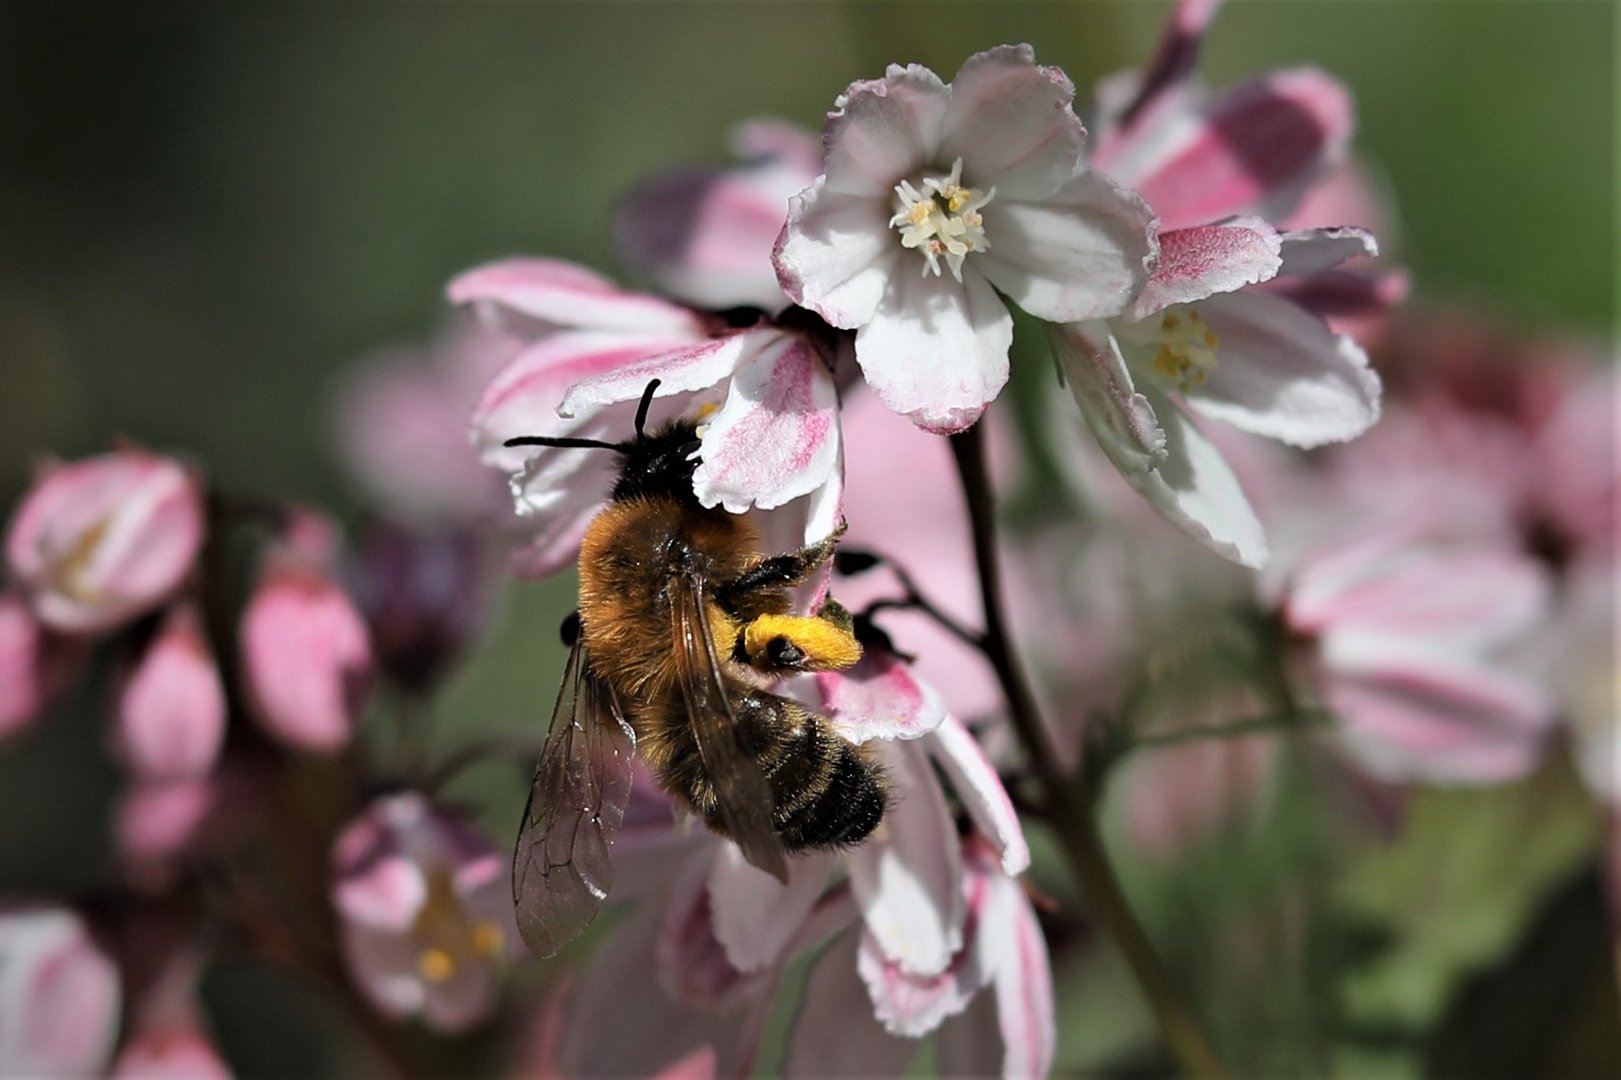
{"x": 561, "y": 867}
{"x": 740, "y": 785}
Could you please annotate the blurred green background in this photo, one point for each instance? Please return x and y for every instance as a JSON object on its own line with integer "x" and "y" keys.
{"x": 210, "y": 209}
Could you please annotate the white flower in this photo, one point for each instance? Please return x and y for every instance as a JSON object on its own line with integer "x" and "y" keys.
{"x": 936, "y": 197}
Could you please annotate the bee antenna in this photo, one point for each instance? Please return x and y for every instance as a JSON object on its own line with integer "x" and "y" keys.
{"x": 567, "y": 443}
{"x": 647, "y": 403}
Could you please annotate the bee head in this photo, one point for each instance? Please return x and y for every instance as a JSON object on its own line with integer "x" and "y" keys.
{"x": 660, "y": 464}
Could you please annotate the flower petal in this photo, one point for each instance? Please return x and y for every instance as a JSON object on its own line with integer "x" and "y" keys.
{"x": 1014, "y": 950}
{"x": 1257, "y": 142}
{"x": 1082, "y": 252}
{"x": 1208, "y": 259}
{"x": 1012, "y": 124}
{"x": 937, "y": 350}
{"x": 1122, "y": 420}
{"x": 523, "y": 397}
{"x": 836, "y": 254}
{"x": 1308, "y": 251}
{"x": 882, "y": 130}
{"x": 1442, "y": 719}
{"x": 880, "y": 698}
{"x": 1197, "y": 492}
{"x": 835, "y": 1033}
{"x": 777, "y": 436}
{"x": 1280, "y": 372}
{"x": 561, "y": 294}
{"x": 756, "y": 916}
{"x": 1460, "y": 599}
{"x": 974, "y": 779}
{"x": 682, "y": 370}
{"x": 909, "y": 884}
{"x": 706, "y": 235}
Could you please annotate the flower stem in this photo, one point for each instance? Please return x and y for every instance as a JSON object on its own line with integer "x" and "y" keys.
{"x": 1070, "y": 804}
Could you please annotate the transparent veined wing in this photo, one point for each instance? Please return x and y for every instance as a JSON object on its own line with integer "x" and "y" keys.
{"x": 740, "y": 785}
{"x": 562, "y": 866}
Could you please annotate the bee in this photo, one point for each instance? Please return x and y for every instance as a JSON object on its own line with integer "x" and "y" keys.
{"x": 682, "y": 625}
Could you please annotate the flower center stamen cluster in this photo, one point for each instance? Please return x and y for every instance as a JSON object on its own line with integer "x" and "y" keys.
{"x": 447, "y": 938}
{"x": 942, "y": 219}
{"x": 1187, "y": 349}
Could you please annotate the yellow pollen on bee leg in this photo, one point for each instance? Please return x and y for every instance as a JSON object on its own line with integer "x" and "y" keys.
{"x": 436, "y": 965}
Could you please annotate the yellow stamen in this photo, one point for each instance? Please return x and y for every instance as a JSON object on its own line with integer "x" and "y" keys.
{"x": 488, "y": 939}
{"x": 436, "y": 965}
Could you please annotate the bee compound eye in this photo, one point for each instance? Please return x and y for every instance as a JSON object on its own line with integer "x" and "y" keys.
{"x": 569, "y": 630}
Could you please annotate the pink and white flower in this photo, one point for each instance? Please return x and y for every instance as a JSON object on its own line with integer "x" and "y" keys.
{"x": 171, "y": 706}
{"x": 426, "y": 912}
{"x": 1203, "y": 336}
{"x": 936, "y": 197}
{"x": 1003, "y": 949}
{"x": 306, "y": 655}
{"x": 774, "y": 439}
{"x": 705, "y": 235}
{"x": 1405, "y": 641}
{"x": 59, "y": 995}
{"x": 98, "y": 542}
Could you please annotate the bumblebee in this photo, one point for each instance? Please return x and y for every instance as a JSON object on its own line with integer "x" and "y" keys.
{"x": 683, "y": 623}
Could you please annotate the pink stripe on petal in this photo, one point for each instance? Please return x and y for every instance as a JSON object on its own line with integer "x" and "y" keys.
{"x": 1259, "y": 139}
{"x": 1445, "y": 598}
{"x": 1198, "y": 262}
{"x": 880, "y": 698}
{"x": 977, "y": 784}
{"x": 776, "y": 438}
{"x": 562, "y": 294}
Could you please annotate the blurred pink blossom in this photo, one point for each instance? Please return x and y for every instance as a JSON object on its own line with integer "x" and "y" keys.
{"x": 594, "y": 349}
{"x": 35, "y": 664}
{"x": 400, "y": 422}
{"x": 426, "y": 912}
{"x": 705, "y": 235}
{"x": 97, "y": 542}
{"x": 59, "y": 995}
{"x": 171, "y": 706}
{"x": 985, "y": 175}
{"x": 1405, "y": 638}
{"x": 306, "y": 656}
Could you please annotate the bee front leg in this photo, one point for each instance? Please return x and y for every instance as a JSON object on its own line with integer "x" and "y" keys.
{"x": 779, "y": 572}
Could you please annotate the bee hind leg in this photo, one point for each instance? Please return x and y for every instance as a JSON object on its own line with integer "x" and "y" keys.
{"x": 782, "y": 644}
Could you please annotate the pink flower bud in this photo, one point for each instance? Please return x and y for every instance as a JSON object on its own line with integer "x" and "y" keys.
{"x": 305, "y": 654}
{"x": 34, "y": 665}
{"x": 59, "y": 995}
{"x": 171, "y": 708}
{"x": 425, "y": 910}
{"x": 100, "y": 541}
